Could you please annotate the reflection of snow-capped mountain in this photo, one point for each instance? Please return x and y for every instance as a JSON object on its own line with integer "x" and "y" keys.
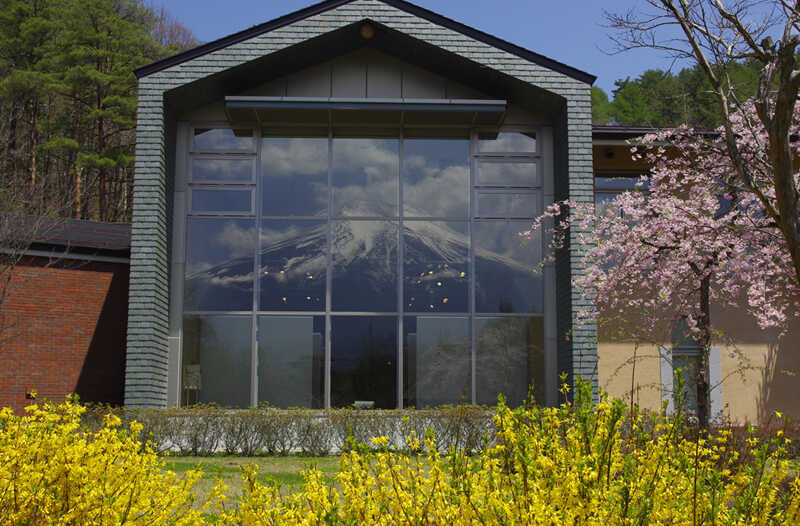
{"x": 364, "y": 258}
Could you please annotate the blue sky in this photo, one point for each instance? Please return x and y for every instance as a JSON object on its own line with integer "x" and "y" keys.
{"x": 569, "y": 31}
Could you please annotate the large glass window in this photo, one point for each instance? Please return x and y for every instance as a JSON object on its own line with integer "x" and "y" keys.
{"x": 219, "y": 264}
{"x": 365, "y": 177}
{"x": 435, "y": 178}
{"x": 509, "y": 359}
{"x": 380, "y": 271}
{"x": 364, "y": 361}
{"x": 217, "y": 360}
{"x": 292, "y": 265}
{"x": 608, "y": 187}
{"x": 291, "y": 360}
{"x": 294, "y": 176}
{"x": 436, "y": 266}
{"x": 364, "y": 266}
{"x": 506, "y": 271}
{"x": 436, "y": 361}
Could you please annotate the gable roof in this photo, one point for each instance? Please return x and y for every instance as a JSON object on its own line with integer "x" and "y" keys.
{"x": 326, "y": 5}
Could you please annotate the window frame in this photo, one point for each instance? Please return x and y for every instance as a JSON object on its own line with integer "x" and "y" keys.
{"x": 186, "y": 187}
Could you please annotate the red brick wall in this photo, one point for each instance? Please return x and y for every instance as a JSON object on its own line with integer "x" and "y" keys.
{"x": 62, "y": 330}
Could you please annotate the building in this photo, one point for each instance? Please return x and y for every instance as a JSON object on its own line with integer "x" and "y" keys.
{"x": 326, "y": 214}
{"x": 326, "y": 209}
{"x": 64, "y": 313}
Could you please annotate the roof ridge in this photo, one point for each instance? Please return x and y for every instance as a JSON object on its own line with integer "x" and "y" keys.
{"x": 402, "y": 5}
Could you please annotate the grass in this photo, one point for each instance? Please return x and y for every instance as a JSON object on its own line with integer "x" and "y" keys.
{"x": 282, "y": 472}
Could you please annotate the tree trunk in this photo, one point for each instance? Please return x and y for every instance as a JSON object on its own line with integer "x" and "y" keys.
{"x": 34, "y": 143}
{"x": 704, "y": 342}
{"x": 102, "y": 191}
{"x": 76, "y": 211}
{"x": 11, "y": 145}
{"x": 73, "y": 166}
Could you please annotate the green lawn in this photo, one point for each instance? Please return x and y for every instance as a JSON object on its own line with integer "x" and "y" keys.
{"x": 283, "y": 472}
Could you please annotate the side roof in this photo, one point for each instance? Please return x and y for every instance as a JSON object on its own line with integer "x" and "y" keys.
{"x": 326, "y": 5}
{"x": 73, "y": 233}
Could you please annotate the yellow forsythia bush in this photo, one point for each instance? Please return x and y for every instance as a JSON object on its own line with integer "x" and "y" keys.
{"x": 579, "y": 464}
{"x": 54, "y": 472}
{"x": 587, "y": 464}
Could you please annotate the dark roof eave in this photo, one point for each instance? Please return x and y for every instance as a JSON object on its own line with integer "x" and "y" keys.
{"x": 630, "y": 132}
{"x": 326, "y": 5}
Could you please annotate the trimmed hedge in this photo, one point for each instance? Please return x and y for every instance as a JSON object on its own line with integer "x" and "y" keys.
{"x": 205, "y": 430}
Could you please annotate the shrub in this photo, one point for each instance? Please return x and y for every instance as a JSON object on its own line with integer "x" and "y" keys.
{"x": 357, "y": 426}
{"x": 54, "y": 471}
{"x": 587, "y": 464}
{"x": 463, "y": 427}
{"x": 243, "y": 432}
{"x": 314, "y": 432}
{"x": 197, "y": 430}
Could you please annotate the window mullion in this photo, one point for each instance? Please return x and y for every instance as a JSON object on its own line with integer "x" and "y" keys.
{"x": 471, "y": 263}
{"x": 400, "y": 270}
{"x": 328, "y": 279}
{"x": 256, "y": 274}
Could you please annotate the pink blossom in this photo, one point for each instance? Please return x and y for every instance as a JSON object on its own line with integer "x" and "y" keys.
{"x": 648, "y": 253}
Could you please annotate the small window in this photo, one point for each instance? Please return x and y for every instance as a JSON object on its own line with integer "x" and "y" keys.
{"x": 509, "y": 174}
{"x": 223, "y": 140}
{"x": 688, "y": 363}
{"x": 220, "y": 201}
{"x": 214, "y": 170}
{"x": 685, "y": 355}
{"x": 508, "y": 205}
{"x": 618, "y": 183}
{"x": 508, "y": 142}
{"x": 608, "y": 187}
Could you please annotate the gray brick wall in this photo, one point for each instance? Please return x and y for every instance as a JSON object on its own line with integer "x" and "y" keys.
{"x": 146, "y": 367}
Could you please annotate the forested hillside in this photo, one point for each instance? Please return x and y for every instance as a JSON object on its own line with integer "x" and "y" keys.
{"x": 661, "y": 98}
{"x": 68, "y": 101}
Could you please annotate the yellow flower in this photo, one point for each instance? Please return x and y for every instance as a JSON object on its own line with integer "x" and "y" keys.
{"x": 380, "y": 441}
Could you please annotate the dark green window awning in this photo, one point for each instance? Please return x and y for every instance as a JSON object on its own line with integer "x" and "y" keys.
{"x": 331, "y": 111}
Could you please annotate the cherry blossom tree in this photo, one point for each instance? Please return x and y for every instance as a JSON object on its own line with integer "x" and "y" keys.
{"x": 692, "y": 234}
{"x": 716, "y": 34}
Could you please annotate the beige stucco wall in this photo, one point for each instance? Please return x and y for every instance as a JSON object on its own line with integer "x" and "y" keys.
{"x": 625, "y": 368}
{"x": 760, "y": 369}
